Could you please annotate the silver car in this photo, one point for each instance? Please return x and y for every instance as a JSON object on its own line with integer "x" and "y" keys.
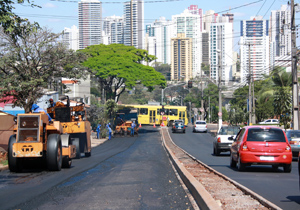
{"x": 270, "y": 121}
{"x": 224, "y": 139}
{"x": 200, "y": 126}
{"x": 293, "y": 137}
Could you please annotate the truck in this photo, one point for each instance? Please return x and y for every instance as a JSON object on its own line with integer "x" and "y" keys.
{"x": 55, "y": 143}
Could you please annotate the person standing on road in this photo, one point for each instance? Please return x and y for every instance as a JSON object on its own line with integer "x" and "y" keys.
{"x": 98, "y": 131}
{"x": 109, "y": 131}
{"x": 132, "y": 128}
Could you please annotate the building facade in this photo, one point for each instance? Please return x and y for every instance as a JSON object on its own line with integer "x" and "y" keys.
{"x": 189, "y": 24}
{"x": 134, "y": 23}
{"x": 71, "y": 38}
{"x": 158, "y": 40}
{"x": 90, "y": 23}
{"x": 221, "y": 51}
{"x": 181, "y": 58}
{"x": 254, "y": 48}
{"x": 113, "y": 27}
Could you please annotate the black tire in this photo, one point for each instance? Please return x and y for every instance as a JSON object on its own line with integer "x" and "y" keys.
{"x": 66, "y": 162}
{"x": 54, "y": 152}
{"x": 217, "y": 152}
{"x": 241, "y": 166}
{"x": 275, "y": 167}
{"x": 76, "y": 142}
{"x": 287, "y": 168}
{"x": 232, "y": 162}
{"x": 14, "y": 164}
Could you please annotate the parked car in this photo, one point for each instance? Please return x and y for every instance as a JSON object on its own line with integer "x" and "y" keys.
{"x": 270, "y": 121}
{"x": 293, "y": 137}
{"x": 178, "y": 127}
{"x": 200, "y": 126}
{"x": 263, "y": 145}
{"x": 224, "y": 139}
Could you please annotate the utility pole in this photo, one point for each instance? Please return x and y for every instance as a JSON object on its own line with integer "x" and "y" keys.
{"x": 250, "y": 82}
{"x": 202, "y": 109}
{"x": 294, "y": 70}
{"x": 219, "y": 86}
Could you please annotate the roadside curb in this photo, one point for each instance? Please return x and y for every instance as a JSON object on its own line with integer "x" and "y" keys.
{"x": 200, "y": 194}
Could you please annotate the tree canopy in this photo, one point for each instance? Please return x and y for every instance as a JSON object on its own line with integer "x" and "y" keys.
{"x": 31, "y": 61}
{"x": 119, "y": 67}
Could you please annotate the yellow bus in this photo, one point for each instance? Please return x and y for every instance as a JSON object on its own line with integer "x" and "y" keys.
{"x": 154, "y": 114}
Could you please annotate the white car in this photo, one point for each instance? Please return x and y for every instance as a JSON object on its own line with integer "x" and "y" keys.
{"x": 270, "y": 121}
{"x": 200, "y": 126}
{"x": 224, "y": 139}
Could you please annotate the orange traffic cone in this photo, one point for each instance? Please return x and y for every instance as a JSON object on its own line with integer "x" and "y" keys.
{"x": 154, "y": 126}
{"x": 162, "y": 124}
{"x": 140, "y": 125}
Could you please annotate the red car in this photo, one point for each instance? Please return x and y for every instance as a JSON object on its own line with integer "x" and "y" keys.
{"x": 264, "y": 145}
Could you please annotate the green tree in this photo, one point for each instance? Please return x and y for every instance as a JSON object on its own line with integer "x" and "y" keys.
{"x": 119, "y": 67}
{"x": 10, "y": 22}
{"x": 28, "y": 63}
{"x": 164, "y": 69}
{"x": 111, "y": 109}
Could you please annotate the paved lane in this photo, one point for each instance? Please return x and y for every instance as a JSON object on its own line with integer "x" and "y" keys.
{"x": 139, "y": 177}
{"x": 280, "y": 188}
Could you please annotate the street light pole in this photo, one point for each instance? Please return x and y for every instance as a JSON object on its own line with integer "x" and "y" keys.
{"x": 219, "y": 86}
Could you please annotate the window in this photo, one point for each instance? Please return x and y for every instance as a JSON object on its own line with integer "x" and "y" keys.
{"x": 173, "y": 112}
{"x": 265, "y": 135}
{"x": 143, "y": 111}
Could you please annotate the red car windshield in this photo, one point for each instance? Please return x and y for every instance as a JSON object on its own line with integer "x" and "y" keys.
{"x": 266, "y": 135}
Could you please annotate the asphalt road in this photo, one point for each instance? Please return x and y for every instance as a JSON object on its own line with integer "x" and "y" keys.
{"x": 278, "y": 187}
{"x": 123, "y": 173}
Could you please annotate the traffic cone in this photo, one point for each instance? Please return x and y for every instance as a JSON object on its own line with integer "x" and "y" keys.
{"x": 162, "y": 124}
{"x": 154, "y": 126}
{"x": 140, "y": 125}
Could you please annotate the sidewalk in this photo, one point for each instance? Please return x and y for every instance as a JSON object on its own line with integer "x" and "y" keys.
{"x": 94, "y": 141}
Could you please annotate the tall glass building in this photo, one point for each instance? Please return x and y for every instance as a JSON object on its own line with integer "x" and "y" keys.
{"x": 90, "y": 23}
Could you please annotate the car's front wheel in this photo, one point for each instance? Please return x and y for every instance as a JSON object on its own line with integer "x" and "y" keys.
{"x": 287, "y": 168}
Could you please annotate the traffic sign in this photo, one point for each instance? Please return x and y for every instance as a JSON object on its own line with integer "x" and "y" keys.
{"x": 219, "y": 114}
{"x": 162, "y": 113}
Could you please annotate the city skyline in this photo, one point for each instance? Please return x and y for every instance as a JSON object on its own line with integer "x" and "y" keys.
{"x": 54, "y": 15}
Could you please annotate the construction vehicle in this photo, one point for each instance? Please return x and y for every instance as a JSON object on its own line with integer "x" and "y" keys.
{"x": 123, "y": 122}
{"x": 73, "y": 121}
{"x": 56, "y": 143}
{"x": 35, "y": 138}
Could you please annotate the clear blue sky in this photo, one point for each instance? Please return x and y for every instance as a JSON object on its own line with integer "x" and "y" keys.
{"x": 57, "y": 14}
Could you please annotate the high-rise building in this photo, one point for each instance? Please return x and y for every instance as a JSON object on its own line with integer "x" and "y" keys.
{"x": 280, "y": 37}
{"x": 134, "y": 23}
{"x": 71, "y": 38}
{"x": 158, "y": 40}
{"x": 90, "y": 23}
{"x": 221, "y": 51}
{"x": 181, "y": 58}
{"x": 254, "y": 48}
{"x": 205, "y": 48}
{"x": 189, "y": 24}
{"x": 113, "y": 27}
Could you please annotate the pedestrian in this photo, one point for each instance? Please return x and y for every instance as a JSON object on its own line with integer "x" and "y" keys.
{"x": 132, "y": 128}
{"x": 52, "y": 103}
{"x": 36, "y": 109}
{"x": 98, "y": 131}
{"x": 109, "y": 131}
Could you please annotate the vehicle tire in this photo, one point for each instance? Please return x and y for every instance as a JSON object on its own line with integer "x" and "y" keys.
{"x": 241, "y": 166}
{"x": 76, "y": 142}
{"x": 66, "y": 162}
{"x": 275, "y": 167}
{"x": 184, "y": 131}
{"x": 14, "y": 164}
{"x": 287, "y": 168}
{"x": 54, "y": 152}
{"x": 217, "y": 152}
{"x": 232, "y": 162}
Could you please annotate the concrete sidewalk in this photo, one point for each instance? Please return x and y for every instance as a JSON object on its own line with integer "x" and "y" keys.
{"x": 94, "y": 141}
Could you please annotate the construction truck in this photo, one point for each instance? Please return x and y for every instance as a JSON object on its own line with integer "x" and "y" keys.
{"x": 123, "y": 121}
{"x": 55, "y": 143}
